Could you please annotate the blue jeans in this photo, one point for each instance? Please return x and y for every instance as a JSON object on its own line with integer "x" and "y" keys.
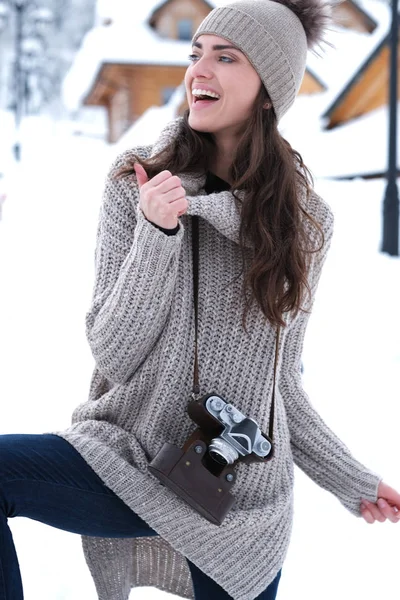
{"x": 44, "y": 478}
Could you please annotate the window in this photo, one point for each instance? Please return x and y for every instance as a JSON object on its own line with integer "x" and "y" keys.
{"x": 166, "y": 93}
{"x": 185, "y": 29}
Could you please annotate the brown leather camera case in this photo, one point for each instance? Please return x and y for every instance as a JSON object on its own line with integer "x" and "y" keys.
{"x": 181, "y": 470}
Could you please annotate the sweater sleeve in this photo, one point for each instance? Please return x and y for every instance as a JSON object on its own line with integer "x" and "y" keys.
{"x": 135, "y": 272}
{"x": 315, "y": 448}
{"x": 220, "y": 210}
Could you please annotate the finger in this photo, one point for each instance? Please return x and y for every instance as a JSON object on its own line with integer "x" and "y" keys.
{"x": 365, "y": 513}
{"x": 173, "y": 195}
{"x": 177, "y": 207}
{"x": 375, "y": 511}
{"x": 181, "y": 205}
{"x": 141, "y": 174}
{"x": 391, "y": 512}
{"x": 160, "y": 177}
{"x": 169, "y": 184}
{"x": 391, "y": 496}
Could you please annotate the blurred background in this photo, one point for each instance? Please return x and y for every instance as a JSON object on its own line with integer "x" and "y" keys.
{"x": 82, "y": 80}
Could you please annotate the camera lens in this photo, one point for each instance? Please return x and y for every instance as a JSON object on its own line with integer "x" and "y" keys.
{"x": 218, "y": 457}
{"x": 222, "y": 452}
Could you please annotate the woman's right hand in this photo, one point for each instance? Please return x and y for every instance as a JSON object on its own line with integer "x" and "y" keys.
{"x": 162, "y": 198}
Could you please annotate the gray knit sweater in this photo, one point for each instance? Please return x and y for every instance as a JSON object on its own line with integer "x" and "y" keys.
{"x": 140, "y": 327}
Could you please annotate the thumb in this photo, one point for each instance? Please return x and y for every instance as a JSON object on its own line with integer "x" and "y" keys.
{"x": 140, "y": 174}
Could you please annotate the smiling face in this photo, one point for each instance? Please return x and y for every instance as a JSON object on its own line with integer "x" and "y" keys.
{"x": 228, "y": 72}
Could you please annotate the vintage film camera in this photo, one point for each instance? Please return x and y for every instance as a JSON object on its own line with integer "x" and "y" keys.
{"x": 203, "y": 471}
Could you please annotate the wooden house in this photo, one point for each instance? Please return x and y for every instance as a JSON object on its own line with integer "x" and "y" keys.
{"x": 127, "y": 88}
{"x": 367, "y": 90}
{"x": 351, "y": 15}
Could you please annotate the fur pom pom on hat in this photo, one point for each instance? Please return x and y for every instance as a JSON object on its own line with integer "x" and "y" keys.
{"x": 275, "y": 35}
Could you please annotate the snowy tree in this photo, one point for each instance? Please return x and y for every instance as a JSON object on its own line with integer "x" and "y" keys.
{"x": 48, "y": 50}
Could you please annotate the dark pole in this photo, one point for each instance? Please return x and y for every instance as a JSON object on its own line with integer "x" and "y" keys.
{"x": 390, "y": 237}
{"x": 19, "y": 8}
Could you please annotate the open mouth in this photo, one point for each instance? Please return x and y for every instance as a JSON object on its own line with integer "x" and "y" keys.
{"x": 204, "y": 99}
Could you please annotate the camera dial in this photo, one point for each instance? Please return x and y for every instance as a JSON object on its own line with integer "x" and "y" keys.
{"x": 240, "y": 435}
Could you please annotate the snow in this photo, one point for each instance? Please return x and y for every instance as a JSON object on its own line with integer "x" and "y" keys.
{"x": 351, "y": 359}
{"x": 359, "y": 147}
{"x": 121, "y": 10}
{"x": 351, "y": 355}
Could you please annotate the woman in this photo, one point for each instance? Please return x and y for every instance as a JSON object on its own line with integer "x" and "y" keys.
{"x": 263, "y": 237}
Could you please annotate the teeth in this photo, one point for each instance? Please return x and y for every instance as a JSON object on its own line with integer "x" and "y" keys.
{"x": 200, "y": 92}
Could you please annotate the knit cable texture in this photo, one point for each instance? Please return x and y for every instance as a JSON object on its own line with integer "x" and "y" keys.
{"x": 140, "y": 327}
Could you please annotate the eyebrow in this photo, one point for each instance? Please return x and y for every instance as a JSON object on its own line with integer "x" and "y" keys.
{"x": 217, "y": 47}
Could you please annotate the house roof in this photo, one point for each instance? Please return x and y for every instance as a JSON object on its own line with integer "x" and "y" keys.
{"x": 370, "y": 22}
{"x": 162, "y": 3}
{"x": 133, "y": 44}
{"x": 316, "y": 77}
{"x": 122, "y": 10}
{"x": 337, "y": 65}
{"x": 363, "y": 67}
{"x": 375, "y": 8}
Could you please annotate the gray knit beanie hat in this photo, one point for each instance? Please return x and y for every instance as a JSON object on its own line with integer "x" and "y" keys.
{"x": 275, "y": 36}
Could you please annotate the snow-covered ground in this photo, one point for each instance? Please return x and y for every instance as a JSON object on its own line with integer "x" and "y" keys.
{"x": 351, "y": 360}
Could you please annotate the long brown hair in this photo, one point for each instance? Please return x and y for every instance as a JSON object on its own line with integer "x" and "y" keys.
{"x": 273, "y": 176}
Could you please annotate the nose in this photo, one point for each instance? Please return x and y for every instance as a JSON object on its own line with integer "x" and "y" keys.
{"x": 201, "y": 68}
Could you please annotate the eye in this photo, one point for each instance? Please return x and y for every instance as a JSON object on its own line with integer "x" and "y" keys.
{"x": 193, "y": 57}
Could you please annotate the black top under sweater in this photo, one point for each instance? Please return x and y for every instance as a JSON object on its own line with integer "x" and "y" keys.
{"x": 213, "y": 184}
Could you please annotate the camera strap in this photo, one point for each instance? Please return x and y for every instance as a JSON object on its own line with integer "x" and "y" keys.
{"x": 196, "y": 386}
